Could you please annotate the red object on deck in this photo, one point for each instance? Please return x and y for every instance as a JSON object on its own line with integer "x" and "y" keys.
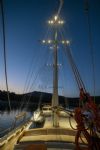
{"x": 81, "y": 130}
{"x": 92, "y": 107}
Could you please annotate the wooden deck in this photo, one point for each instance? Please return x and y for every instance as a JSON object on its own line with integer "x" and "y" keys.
{"x": 48, "y": 133}
{"x": 63, "y": 122}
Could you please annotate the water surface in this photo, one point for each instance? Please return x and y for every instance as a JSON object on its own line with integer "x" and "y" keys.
{"x": 7, "y": 120}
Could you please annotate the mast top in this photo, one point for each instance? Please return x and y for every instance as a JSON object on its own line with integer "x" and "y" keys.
{"x": 60, "y": 7}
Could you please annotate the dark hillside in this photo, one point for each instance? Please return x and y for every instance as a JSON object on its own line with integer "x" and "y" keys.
{"x": 34, "y": 98}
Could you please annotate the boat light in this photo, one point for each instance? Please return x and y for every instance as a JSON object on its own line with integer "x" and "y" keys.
{"x": 55, "y": 17}
{"x": 63, "y": 42}
{"x": 67, "y": 42}
{"x": 49, "y": 41}
{"x": 43, "y": 41}
{"x": 62, "y": 22}
{"x": 51, "y": 21}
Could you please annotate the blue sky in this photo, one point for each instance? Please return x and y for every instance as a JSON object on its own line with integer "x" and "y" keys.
{"x": 26, "y": 24}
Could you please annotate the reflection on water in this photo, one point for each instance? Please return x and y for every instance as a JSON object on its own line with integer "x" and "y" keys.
{"x": 7, "y": 119}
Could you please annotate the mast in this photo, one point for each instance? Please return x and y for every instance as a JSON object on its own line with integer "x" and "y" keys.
{"x": 55, "y": 100}
{"x": 55, "y": 22}
{"x": 55, "y": 73}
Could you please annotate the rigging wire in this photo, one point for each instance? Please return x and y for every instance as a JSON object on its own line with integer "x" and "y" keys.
{"x": 62, "y": 35}
{"x": 30, "y": 74}
{"x": 47, "y": 58}
{"x": 46, "y": 80}
{"x": 4, "y": 48}
{"x": 60, "y": 7}
{"x": 29, "y": 87}
{"x": 73, "y": 66}
{"x": 63, "y": 81}
{"x": 90, "y": 42}
{"x": 39, "y": 72}
{"x": 77, "y": 74}
{"x": 29, "y": 77}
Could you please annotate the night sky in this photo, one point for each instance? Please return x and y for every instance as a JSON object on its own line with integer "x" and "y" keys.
{"x": 26, "y": 24}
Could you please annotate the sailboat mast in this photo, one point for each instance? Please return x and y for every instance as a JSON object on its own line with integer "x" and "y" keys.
{"x": 55, "y": 22}
{"x": 55, "y": 73}
{"x": 55, "y": 84}
{"x": 55, "y": 100}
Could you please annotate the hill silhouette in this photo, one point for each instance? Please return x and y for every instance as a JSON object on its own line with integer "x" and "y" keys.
{"x": 33, "y": 98}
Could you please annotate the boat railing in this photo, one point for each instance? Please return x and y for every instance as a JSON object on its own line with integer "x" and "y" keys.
{"x": 17, "y": 117}
{"x": 4, "y": 131}
{"x": 14, "y": 133}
